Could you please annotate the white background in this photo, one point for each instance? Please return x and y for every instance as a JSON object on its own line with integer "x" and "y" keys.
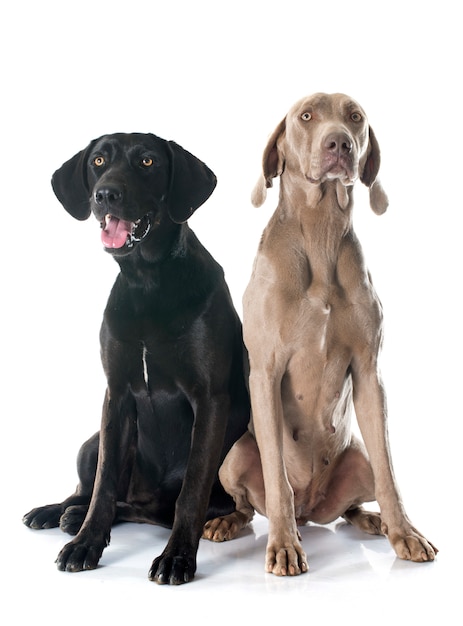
{"x": 217, "y": 78}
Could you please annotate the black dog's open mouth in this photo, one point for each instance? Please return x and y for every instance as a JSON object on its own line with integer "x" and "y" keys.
{"x": 117, "y": 233}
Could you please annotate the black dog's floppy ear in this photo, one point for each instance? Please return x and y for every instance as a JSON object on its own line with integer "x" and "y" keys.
{"x": 70, "y": 185}
{"x": 191, "y": 183}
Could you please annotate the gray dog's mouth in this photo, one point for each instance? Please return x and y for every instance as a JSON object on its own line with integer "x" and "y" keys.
{"x": 117, "y": 233}
{"x": 328, "y": 165}
{"x": 339, "y": 167}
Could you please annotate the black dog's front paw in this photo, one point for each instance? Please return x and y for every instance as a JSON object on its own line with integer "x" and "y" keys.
{"x": 172, "y": 570}
{"x": 43, "y": 517}
{"x": 79, "y": 555}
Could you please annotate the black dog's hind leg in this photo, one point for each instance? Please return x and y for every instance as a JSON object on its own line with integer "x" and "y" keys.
{"x": 70, "y": 514}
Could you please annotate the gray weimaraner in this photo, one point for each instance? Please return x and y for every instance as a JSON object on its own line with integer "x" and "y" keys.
{"x": 313, "y": 328}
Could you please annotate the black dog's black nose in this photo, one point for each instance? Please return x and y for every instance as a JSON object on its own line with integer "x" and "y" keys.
{"x": 338, "y": 142}
{"x": 107, "y": 196}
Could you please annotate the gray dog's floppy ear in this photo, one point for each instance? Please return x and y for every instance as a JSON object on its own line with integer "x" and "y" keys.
{"x": 70, "y": 185}
{"x": 272, "y": 166}
{"x": 191, "y": 183}
{"x": 378, "y": 198}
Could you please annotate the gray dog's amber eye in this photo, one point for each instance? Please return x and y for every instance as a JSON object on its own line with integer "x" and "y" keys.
{"x": 356, "y": 117}
{"x": 306, "y": 116}
{"x": 98, "y": 161}
{"x": 147, "y": 162}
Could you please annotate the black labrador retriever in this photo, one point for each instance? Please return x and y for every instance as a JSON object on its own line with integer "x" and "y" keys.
{"x": 172, "y": 351}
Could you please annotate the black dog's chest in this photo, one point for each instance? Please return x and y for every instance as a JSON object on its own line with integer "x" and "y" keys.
{"x": 137, "y": 319}
{"x": 146, "y": 345}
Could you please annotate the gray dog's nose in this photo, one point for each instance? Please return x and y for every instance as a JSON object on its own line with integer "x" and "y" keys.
{"x": 338, "y": 142}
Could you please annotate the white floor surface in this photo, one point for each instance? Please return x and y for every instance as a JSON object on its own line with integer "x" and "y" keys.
{"x": 352, "y": 576}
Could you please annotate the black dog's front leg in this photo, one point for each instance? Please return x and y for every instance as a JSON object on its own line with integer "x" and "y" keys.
{"x": 177, "y": 564}
{"x": 85, "y": 550}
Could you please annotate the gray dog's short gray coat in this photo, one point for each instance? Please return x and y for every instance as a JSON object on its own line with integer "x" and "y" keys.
{"x": 313, "y": 328}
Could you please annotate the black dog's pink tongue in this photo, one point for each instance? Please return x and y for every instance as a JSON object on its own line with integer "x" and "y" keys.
{"x": 115, "y": 232}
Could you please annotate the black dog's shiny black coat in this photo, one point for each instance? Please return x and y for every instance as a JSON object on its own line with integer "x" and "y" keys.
{"x": 172, "y": 352}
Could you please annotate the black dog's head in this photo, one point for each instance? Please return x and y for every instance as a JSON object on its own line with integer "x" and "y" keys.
{"x": 132, "y": 183}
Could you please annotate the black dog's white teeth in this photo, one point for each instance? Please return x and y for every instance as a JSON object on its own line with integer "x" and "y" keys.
{"x": 136, "y": 231}
{"x": 140, "y": 229}
{"x": 105, "y": 221}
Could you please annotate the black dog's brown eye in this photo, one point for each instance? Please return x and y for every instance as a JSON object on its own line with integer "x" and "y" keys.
{"x": 306, "y": 116}
{"x": 147, "y": 162}
{"x": 356, "y": 117}
{"x": 98, "y": 161}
